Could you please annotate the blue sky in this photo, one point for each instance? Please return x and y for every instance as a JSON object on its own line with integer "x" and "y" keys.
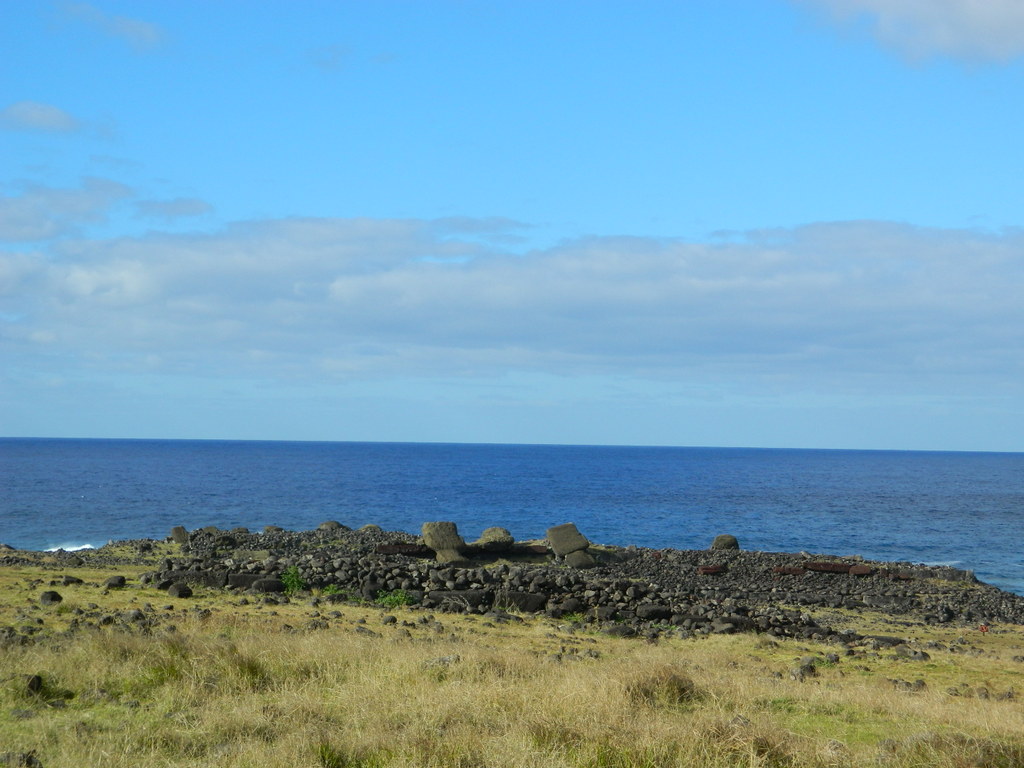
{"x": 749, "y": 223}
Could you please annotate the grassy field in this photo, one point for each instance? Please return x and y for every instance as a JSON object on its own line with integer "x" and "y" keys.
{"x": 226, "y": 680}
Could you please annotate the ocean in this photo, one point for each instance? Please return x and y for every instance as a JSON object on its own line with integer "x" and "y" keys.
{"x": 960, "y": 509}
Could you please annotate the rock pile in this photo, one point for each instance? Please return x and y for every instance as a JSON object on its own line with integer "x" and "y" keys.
{"x": 629, "y": 590}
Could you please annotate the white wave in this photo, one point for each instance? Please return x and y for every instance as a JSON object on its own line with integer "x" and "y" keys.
{"x": 70, "y": 547}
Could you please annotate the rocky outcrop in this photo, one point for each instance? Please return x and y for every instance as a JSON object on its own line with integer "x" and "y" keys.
{"x": 629, "y": 590}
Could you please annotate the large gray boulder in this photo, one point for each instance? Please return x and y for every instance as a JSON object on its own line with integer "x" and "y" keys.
{"x": 580, "y": 559}
{"x": 566, "y": 539}
{"x": 179, "y": 534}
{"x": 725, "y": 541}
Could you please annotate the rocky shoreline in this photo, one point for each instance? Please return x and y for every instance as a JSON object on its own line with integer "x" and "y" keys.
{"x": 626, "y": 591}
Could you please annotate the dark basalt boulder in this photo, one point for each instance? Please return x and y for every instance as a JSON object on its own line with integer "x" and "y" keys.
{"x": 179, "y": 589}
{"x": 460, "y": 600}
{"x": 268, "y": 585}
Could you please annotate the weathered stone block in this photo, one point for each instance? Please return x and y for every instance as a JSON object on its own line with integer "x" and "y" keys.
{"x": 565, "y": 539}
{"x": 495, "y": 540}
{"x": 441, "y": 536}
{"x": 179, "y": 534}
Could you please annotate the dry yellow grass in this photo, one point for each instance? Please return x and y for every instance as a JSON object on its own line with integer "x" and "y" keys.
{"x": 252, "y": 685}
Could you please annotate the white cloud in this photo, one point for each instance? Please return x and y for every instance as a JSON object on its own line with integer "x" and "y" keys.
{"x": 832, "y": 306}
{"x": 36, "y": 116}
{"x": 140, "y": 35}
{"x": 167, "y": 210}
{"x": 41, "y": 213}
{"x": 976, "y": 30}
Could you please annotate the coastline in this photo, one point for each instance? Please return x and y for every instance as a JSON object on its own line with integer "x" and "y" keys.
{"x": 629, "y": 590}
{"x": 206, "y": 651}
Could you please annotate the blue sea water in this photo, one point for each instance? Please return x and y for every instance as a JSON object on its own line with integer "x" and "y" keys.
{"x": 962, "y": 509}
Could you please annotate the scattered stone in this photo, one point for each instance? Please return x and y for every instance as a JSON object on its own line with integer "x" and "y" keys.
{"x": 409, "y": 550}
{"x": 330, "y": 525}
{"x": 806, "y": 668}
{"x": 710, "y": 570}
{"x": 443, "y": 661}
{"x": 115, "y": 582}
{"x": 50, "y": 598}
{"x": 179, "y": 589}
{"x": 725, "y": 541}
{"x": 34, "y": 684}
{"x": 906, "y": 652}
{"x": 619, "y": 630}
{"x": 179, "y": 534}
{"x": 20, "y": 759}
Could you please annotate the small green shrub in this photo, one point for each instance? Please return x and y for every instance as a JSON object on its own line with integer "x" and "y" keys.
{"x": 395, "y": 598}
{"x": 293, "y": 581}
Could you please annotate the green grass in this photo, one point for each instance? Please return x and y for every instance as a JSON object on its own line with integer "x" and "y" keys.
{"x": 395, "y": 598}
{"x": 248, "y": 684}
